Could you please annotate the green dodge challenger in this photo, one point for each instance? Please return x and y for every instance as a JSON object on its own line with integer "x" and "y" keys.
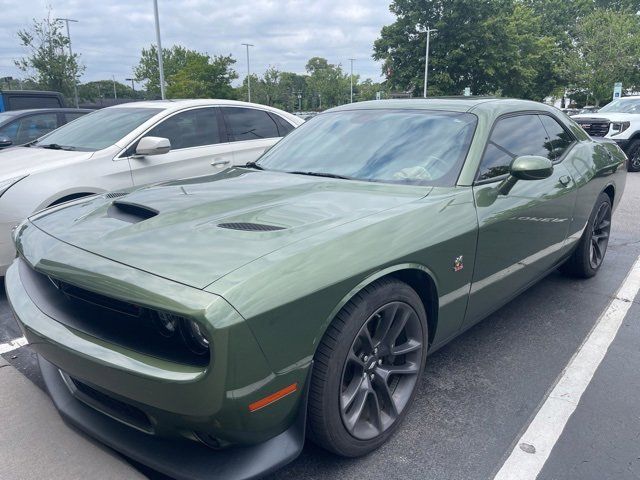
{"x": 205, "y": 327}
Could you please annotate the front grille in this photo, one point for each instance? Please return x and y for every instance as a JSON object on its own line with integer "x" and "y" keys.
{"x": 110, "y": 406}
{"x": 73, "y": 292}
{"x": 250, "y": 227}
{"x": 595, "y": 128}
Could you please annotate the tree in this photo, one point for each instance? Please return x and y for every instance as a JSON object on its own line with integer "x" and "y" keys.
{"x": 607, "y": 51}
{"x": 174, "y": 59}
{"x": 327, "y": 83}
{"x": 92, "y": 91}
{"x": 496, "y": 46}
{"x": 203, "y": 77}
{"x": 48, "y": 63}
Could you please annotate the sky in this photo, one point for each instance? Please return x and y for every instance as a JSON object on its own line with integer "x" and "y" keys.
{"x": 110, "y": 34}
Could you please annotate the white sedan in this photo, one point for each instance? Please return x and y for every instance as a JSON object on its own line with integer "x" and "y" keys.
{"x": 131, "y": 144}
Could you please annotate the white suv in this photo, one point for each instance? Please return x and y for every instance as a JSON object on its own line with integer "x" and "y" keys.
{"x": 128, "y": 145}
{"x": 619, "y": 121}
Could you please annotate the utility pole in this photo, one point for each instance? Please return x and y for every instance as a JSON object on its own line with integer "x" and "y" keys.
{"x": 75, "y": 85}
{"x": 160, "y": 64}
{"x": 352, "y": 60}
{"x": 248, "y": 71}
{"x": 320, "y": 99}
{"x": 133, "y": 85}
{"x": 426, "y": 60}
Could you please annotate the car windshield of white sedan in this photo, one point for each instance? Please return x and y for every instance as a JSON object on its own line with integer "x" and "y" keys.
{"x": 422, "y": 147}
{"x": 622, "y": 106}
{"x": 97, "y": 130}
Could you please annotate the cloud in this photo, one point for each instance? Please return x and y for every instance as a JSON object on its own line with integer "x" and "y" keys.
{"x": 111, "y": 33}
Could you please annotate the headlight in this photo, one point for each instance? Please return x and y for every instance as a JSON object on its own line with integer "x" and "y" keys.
{"x": 193, "y": 337}
{"x": 167, "y": 323}
{"x": 6, "y": 184}
{"x": 619, "y": 127}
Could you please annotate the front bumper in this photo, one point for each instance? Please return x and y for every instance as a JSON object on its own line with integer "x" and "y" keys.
{"x": 182, "y": 404}
{"x": 180, "y": 459}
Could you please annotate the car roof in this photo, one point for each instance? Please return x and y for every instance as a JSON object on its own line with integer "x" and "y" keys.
{"x": 452, "y": 104}
{"x": 179, "y": 104}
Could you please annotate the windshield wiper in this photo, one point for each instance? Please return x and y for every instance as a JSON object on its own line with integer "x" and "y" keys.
{"x": 55, "y": 146}
{"x": 321, "y": 174}
{"x": 253, "y": 165}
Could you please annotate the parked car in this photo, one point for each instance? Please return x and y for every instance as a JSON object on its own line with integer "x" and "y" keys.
{"x": 217, "y": 317}
{"x": 619, "y": 121}
{"x": 589, "y": 109}
{"x": 28, "y": 99}
{"x": 131, "y": 144}
{"x": 18, "y": 127}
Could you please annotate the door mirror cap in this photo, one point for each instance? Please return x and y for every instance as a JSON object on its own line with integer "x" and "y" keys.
{"x": 5, "y": 142}
{"x": 531, "y": 167}
{"x": 153, "y": 146}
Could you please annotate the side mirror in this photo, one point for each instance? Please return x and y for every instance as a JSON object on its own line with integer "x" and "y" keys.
{"x": 526, "y": 167}
{"x": 5, "y": 142}
{"x": 531, "y": 167}
{"x": 153, "y": 146}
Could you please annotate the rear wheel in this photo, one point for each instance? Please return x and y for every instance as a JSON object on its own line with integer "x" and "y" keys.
{"x": 634, "y": 156}
{"x": 367, "y": 368}
{"x": 587, "y": 258}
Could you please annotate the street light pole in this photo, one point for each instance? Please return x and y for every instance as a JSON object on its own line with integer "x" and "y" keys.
{"x": 133, "y": 86}
{"x": 352, "y": 60}
{"x": 248, "y": 70}
{"x": 426, "y": 60}
{"x": 160, "y": 64}
{"x": 75, "y": 86}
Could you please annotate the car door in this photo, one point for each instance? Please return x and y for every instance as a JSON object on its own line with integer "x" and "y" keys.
{"x": 521, "y": 233}
{"x": 251, "y": 131}
{"x": 197, "y": 148}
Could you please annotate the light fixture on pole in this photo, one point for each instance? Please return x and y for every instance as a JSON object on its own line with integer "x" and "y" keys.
{"x": 160, "y": 64}
{"x": 426, "y": 59}
{"x": 133, "y": 85}
{"x": 352, "y": 60}
{"x": 75, "y": 85}
{"x": 248, "y": 70}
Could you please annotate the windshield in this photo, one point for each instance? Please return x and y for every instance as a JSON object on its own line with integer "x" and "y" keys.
{"x": 420, "y": 147}
{"x": 97, "y": 130}
{"x": 623, "y": 105}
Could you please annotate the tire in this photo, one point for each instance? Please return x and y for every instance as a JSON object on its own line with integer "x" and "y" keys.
{"x": 633, "y": 152}
{"x": 587, "y": 258}
{"x": 353, "y": 363}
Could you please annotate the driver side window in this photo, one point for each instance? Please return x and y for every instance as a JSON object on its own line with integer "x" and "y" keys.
{"x": 193, "y": 128}
{"x": 512, "y": 137}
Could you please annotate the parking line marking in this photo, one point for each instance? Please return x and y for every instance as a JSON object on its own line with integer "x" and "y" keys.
{"x": 534, "y": 447}
{"x": 12, "y": 345}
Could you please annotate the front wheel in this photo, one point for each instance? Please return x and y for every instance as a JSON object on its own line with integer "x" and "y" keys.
{"x": 367, "y": 368}
{"x": 634, "y": 156}
{"x": 588, "y": 256}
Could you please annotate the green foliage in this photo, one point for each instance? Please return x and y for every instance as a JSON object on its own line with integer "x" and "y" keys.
{"x": 203, "y": 77}
{"x": 48, "y": 64}
{"x": 608, "y": 51}
{"x": 520, "y": 48}
{"x": 188, "y": 73}
{"x": 93, "y": 91}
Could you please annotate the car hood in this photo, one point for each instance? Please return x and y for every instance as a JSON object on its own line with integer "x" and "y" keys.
{"x": 612, "y": 116}
{"x": 195, "y": 231}
{"x": 19, "y": 161}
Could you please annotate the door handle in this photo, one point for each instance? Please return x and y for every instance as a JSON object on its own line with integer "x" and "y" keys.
{"x": 565, "y": 180}
{"x": 218, "y": 162}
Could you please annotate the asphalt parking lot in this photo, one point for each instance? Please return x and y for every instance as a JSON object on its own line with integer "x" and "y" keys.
{"x": 481, "y": 392}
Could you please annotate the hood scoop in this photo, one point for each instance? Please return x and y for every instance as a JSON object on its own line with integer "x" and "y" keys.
{"x": 130, "y": 212}
{"x": 250, "y": 227}
{"x": 115, "y": 194}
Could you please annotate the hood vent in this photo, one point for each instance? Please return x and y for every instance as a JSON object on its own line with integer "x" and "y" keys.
{"x": 250, "y": 227}
{"x": 115, "y": 194}
{"x": 130, "y": 212}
